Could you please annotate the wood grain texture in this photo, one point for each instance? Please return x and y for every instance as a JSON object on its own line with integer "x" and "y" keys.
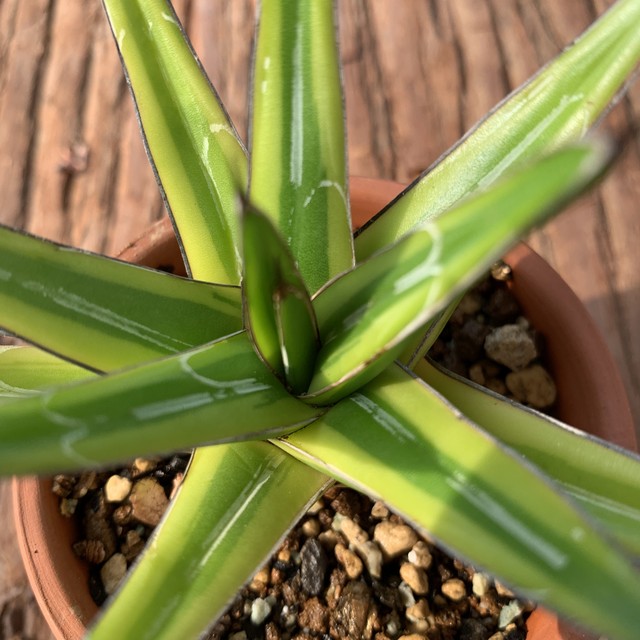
{"x": 417, "y": 73}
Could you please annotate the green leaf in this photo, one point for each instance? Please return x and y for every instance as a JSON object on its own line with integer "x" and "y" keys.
{"x": 401, "y": 443}
{"x": 105, "y": 313}
{"x": 365, "y": 315}
{"x": 298, "y": 165}
{"x": 217, "y": 393}
{"x": 557, "y": 105}
{"x": 277, "y": 307}
{"x": 196, "y": 153}
{"x": 26, "y": 371}
{"x": 602, "y": 478}
{"x": 236, "y": 504}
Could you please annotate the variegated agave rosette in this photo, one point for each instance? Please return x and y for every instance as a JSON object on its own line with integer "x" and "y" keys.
{"x": 297, "y": 348}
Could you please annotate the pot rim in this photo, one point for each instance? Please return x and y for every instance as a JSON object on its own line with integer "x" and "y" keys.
{"x": 66, "y": 605}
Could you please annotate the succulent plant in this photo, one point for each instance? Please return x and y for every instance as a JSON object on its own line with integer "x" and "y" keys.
{"x": 297, "y": 349}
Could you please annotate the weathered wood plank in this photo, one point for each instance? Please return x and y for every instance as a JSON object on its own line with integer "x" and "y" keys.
{"x": 58, "y": 110}
{"x": 24, "y": 28}
{"x": 92, "y": 165}
{"x": 416, "y": 73}
{"x": 20, "y": 618}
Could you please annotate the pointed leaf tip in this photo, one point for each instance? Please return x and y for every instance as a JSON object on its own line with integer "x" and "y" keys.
{"x": 367, "y": 315}
{"x": 277, "y": 307}
{"x": 298, "y": 157}
{"x": 195, "y": 151}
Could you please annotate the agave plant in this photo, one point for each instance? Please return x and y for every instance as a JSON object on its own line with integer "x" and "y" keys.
{"x": 296, "y": 349}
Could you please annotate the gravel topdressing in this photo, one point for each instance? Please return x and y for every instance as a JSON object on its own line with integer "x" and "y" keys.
{"x": 350, "y": 568}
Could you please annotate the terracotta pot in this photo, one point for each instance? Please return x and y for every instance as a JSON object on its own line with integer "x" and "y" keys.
{"x": 592, "y": 397}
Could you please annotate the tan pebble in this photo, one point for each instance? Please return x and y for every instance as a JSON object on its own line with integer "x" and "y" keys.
{"x": 422, "y": 626}
{"x": 420, "y": 555}
{"x": 501, "y": 271}
{"x": 454, "y": 589}
{"x": 68, "y": 507}
{"x": 379, "y": 510}
{"x": 419, "y": 611}
{"x": 87, "y": 482}
{"x": 372, "y": 557}
{"x": 406, "y": 595}
{"x": 63, "y": 485}
{"x": 316, "y": 507}
{"x": 260, "y": 580}
{"x": 176, "y": 483}
{"x": 311, "y": 528}
{"x": 277, "y": 576}
{"x": 511, "y": 345}
{"x": 352, "y": 532}
{"x": 329, "y": 539}
{"x": 132, "y": 546}
{"x": 415, "y": 577}
{"x": 476, "y": 373}
{"x": 144, "y": 465}
{"x": 149, "y": 501}
{"x": 412, "y": 636}
{"x": 284, "y": 555}
{"x": 112, "y": 572}
{"x": 532, "y": 385}
{"x": 98, "y": 527}
{"x": 419, "y": 626}
{"x": 117, "y": 488}
{"x": 349, "y": 560}
{"x": 498, "y": 635}
{"x": 333, "y": 492}
{"x": 373, "y": 622}
{"x": 271, "y": 631}
{"x": 392, "y": 628}
{"x": 487, "y": 608}
{"x": 480, "y": 583}
{"x": 92, "y": 551}
{"x": 394, "y": 539}
{"x": 239, "y": 635}
{"x": 503, "y": 591}
{"x": 122, "y": 514}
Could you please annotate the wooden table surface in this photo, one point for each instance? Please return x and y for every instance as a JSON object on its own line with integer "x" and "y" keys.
{"x": 417, "y": 73}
